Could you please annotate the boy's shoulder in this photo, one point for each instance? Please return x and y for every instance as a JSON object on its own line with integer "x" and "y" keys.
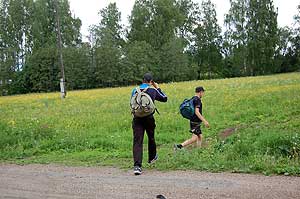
{"x": 142, "y": 87}
{"x": 196, "y": 100}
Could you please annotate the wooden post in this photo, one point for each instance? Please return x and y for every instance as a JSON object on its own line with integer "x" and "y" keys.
{"x": 62, "y": 80}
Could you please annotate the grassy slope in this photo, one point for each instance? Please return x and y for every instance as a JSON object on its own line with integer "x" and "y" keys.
{"x": 93, "y": 127}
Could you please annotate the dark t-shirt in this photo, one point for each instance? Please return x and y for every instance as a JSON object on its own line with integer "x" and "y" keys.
{"x": 197, "y": 104}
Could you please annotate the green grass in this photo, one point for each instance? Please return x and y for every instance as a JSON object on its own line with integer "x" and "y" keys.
{"x": 93, "y": 127}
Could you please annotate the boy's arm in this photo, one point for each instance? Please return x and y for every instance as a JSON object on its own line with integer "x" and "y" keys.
{"x": 197, "y": 112}
{"x": 160, "y": 95}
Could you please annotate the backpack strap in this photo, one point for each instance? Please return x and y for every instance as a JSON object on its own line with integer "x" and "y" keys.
{"x": 138, "y": 90}
{"x": 157, "y": 111}
{"x": 138, "y": 99}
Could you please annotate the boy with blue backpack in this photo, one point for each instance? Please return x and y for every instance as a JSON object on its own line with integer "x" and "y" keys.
{"x": 192, "y": 110}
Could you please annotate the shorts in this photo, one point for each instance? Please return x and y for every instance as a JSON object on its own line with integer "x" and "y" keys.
{"x": 195, "y": 128}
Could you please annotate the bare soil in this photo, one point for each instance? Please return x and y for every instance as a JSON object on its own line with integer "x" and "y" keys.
{"x": 53, "y": 181}
{"x": 226, "y": 133}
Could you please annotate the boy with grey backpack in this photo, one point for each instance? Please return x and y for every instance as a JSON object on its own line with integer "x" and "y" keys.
{"x": 143, "y": 108}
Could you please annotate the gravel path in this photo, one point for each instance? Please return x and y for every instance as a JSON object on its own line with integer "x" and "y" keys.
{"x": 52, "y": 181}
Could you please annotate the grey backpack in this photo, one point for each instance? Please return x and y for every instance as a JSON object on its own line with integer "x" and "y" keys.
{"x": 141, "y": 103}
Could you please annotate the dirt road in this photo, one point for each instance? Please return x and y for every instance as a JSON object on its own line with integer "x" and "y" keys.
{"x": 51, "y": 181}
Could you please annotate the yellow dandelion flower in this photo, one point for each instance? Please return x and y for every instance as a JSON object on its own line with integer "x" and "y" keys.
{"x": 12, "y": 122}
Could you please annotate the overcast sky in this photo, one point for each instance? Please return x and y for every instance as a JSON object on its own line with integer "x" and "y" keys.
{"x": 87, "y": 11}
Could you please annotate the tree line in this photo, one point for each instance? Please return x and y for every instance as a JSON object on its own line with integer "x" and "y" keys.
{"x": 176, "y": 40}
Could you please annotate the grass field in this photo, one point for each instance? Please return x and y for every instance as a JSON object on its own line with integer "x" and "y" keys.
{"x": 93, "y": 127}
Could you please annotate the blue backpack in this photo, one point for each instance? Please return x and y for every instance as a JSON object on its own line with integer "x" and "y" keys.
{"x": 187, "y": 109}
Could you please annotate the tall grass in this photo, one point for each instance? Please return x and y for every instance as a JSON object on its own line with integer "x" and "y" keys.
{"x": 93, "y": 127}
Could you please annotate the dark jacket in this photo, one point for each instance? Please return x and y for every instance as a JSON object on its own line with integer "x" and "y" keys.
{"x": 155, "y": 94}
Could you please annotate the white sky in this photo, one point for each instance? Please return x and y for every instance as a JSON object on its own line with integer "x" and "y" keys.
{"x": 87, "y": 11}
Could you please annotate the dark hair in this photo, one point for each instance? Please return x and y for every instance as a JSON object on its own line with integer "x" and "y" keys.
{"x": 147, "y": 77}
{"x": 199, "y": 89}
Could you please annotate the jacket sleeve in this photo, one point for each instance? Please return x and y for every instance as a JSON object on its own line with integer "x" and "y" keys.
{"x": 160, "y": 96}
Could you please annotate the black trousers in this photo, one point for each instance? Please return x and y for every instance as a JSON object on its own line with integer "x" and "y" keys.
{"x": 139, "y": 126}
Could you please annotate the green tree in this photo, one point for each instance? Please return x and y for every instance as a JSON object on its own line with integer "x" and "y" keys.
{"x": 45, "y": 25}
{"x": 18, "y": 30}
{"x": 140, "y": 58}
{"x": 44, "y": 57}
{"x": 41, "y": 72}
{"x": 190, "y": 14}
{"x": 296, "y": 38}
{"x": 165, "y": 27}
{"x": 252, "y": 36}
{"x": 108, "y": 47}
{"x": 235, "y": 38}
{"x": 173, "y": 62}
{"x": 262, "y": 36}
{"x": 139, "y": 21}
{"x": 284, "y": 52}
{"x": 15, "y": 40}
{"x": 29, "y": 31}
{"x": 208, "y": 41}
{"x": 76, "y": 61}
{"x": 166, "y": 18}
{"x": 154, "y": 21}
{"x": 6, "y": 61}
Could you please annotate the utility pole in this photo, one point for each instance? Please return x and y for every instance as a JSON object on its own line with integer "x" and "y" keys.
{"x": 63, "y": 79}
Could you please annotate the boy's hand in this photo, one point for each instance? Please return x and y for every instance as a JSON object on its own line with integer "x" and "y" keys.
{"x": 206, "y": 124}
{"x": 154, "y": 84}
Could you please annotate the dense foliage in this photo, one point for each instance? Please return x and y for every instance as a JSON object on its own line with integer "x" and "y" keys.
{"x": 176, "y": 40}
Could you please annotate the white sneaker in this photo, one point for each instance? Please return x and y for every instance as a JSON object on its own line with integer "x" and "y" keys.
{"x": 137, "y": 170}
{"x": 153, "y": 160}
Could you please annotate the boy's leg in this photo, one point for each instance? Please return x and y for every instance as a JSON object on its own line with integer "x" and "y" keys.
{"x": 196, "y": 135}
{"x": 199, "y": 140}
{"x": 151, "y": 139}
{"x": 196, "y": 130}
{"x": 138, "y": 137}
{"x": 190, "y": 141}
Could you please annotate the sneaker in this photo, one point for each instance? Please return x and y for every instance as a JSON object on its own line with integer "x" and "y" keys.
{"x": 137, "y": 170}
{"x": 176, "y": 147}
{"x": 153, "y": 160}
